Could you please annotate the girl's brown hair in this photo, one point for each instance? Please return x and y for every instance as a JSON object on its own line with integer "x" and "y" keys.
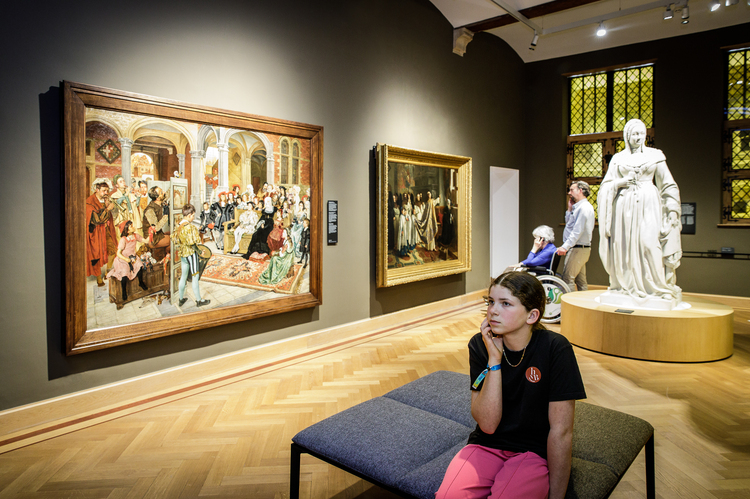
{"x": 527, "y": 289}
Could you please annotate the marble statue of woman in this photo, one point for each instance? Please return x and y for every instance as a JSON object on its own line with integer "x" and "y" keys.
{"x": 639, "y": 226}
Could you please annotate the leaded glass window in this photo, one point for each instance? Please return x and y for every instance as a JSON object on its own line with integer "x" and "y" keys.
{"x": 741, "y": 199}
{"x": 736, "y": 171}
{"x": 593, "y": 196}
{"x": 737, "y": 175}
{"x": 295, "y": 163}
{"x": 588, "y": 104}
{"x": 587, "y": 160}
{"x": 738, "y": 87}
{"x": 740, "y": 149}
{"x": 600, "y": 105}
{"x": 633, "y": 97}
{"x": 284, "y": 173}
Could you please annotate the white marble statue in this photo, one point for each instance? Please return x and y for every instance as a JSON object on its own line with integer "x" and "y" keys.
{"x": 639, "y": 226}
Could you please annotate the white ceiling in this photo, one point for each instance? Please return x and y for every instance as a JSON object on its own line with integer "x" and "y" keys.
{"x": 623, "y": 30}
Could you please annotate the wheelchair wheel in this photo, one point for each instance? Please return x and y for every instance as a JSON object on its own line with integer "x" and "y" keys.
{"x": 554, "y": 288}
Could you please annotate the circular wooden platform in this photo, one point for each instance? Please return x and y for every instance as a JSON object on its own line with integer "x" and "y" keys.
{"x": 701, "y": 333}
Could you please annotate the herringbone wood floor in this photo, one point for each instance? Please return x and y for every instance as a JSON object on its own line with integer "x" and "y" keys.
{"x": 234, "y": 440}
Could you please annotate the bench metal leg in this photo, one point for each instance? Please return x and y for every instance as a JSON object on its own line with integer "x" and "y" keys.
{"x": 294, "y": 472}
{"x": 650, "y": 478}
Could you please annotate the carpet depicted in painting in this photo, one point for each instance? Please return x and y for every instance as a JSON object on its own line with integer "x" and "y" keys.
{"x": 420, "y": 256}
{"x": 236, "y": 271}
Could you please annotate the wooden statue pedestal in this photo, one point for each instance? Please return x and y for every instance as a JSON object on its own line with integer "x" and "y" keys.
{"x": 153, "y": 277}
{"x": 702, "y": 333}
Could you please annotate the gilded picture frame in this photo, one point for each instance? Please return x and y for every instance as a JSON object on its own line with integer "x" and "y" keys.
{"x": 423, "y": 215}
{"x": 184, "y": 154}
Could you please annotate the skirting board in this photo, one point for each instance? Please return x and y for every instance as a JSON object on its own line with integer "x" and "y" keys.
{"x": 28, "y": 424}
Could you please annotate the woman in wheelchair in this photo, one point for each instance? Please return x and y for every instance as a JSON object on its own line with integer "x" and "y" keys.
{"x": 542, "y": 263}
{"x": 543, "y": 250}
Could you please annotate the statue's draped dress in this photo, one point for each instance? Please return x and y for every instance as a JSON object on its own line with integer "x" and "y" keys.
{"x": 635, "y": 217}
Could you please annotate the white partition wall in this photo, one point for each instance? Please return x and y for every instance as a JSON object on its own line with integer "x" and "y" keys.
{"x": 503, "y": 219}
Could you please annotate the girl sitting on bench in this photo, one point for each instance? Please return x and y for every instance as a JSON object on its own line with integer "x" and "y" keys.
{"x": 521, "y": 447}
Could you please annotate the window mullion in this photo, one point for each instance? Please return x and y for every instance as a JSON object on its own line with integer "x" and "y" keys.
{"x": 610, "y": 99}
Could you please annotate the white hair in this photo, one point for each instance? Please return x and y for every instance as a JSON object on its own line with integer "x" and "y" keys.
{"x": 545, "y": 232}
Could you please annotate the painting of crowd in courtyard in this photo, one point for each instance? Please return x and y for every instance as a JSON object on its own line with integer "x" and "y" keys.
{"x": 422, "y": 214}
{"x": 183, "y": 217}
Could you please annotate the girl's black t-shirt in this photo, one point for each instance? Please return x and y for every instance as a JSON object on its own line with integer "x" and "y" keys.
{"x": 548, "y": 373}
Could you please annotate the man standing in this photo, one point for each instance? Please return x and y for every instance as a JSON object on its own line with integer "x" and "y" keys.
{"x": 101, "y": 239}
{"x": 188, "y": 238}
{"x": 579, "y": 226}
{"x": 304, "y": 243}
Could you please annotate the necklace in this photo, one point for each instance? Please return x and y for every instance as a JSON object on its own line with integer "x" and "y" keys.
{"x": 519, "y": 362}
{"x": 522, "y": 355}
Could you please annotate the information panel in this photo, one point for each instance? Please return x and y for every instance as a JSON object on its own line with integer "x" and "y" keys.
{"x": 333, "y": 222}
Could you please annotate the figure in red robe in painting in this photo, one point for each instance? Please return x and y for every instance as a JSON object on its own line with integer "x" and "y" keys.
{"x": 100, "y": 230}
{"x": 275, "y": 238}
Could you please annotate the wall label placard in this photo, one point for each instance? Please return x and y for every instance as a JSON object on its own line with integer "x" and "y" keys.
{"x": 688, "y": 218}
{"x": 333, "y": 222}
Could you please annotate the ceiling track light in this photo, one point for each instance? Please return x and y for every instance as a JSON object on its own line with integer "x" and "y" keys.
{"x": 534, "y": 40}
{"x": 714, "y": 5}
{"x": 601, "y": 30}
{"x": 731, "y": 2}
{"x": 685, "y": 14}
{"x": 668, "y": 14}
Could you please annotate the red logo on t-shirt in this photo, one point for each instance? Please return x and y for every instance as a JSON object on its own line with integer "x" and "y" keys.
{"x": 533, "y": 375}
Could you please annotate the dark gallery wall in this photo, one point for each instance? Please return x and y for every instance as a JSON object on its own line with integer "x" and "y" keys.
{"x": 689, "y": 79}
{"x": 367, "y": 71}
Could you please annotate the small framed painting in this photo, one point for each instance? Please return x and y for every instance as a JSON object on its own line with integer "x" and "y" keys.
{"x": 423, "y": 215}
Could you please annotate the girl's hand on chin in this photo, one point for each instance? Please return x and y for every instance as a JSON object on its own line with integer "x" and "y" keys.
{"x": 493, "y": 350}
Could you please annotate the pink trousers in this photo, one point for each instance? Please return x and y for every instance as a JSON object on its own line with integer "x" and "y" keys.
{"x": 478, "y": 471}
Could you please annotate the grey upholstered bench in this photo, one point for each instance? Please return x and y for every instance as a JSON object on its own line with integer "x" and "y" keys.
{"x": 404, "y": 440}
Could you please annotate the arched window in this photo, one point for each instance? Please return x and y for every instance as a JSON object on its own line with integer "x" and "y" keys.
{"x": 284, "y": 176}
{"x": 142, "y": 165}
{"x": 295, "y": 162}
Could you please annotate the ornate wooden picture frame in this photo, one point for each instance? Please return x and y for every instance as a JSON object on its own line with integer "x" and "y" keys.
{"x": 131, "y": 161}
{"x": 423, "y": 215}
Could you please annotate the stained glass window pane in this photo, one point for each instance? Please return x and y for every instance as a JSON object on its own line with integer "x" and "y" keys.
{"x": 619, "y": 145}
{"x": 741, "y": 198}
{"x": 741, "y": 149}
{"x": 588, "y": 104}
{"x": 587, "y": 160}
{"x": 738, "y": 88}
{"x": 647, "y": 96}
{"x": 284, "y": 170}
{"x": 601, "y": 103}
{"x": 593, "y": 195}
{"x": 633, "y": 97}
{"x": 576, "y": 105}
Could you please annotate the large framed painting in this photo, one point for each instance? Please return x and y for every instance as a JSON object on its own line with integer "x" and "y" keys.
{"x": 181, "y": 217}
{"x": 423, "y": 215}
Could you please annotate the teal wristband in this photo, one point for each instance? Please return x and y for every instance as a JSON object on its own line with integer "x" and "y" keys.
{"x": 481, "y": 376}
